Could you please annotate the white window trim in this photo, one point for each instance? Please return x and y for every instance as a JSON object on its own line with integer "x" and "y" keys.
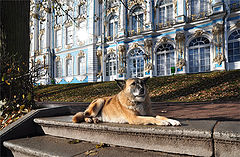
{"x": 207, "y": 11}
{"x": 232, "y": 41}
{"x": 166, "y": 15}
{"x": 111, "y": 77}
{"x": 165, "y": 52}
{"x": 85, "y": 59}
{"x": 113, "y": 21}
{"x": 66, "y": 69}
{"x": 128, "y": 62}
{"x": 56, "y": 38}
{"x": 60, "y": 75}
{"x": 193, "y": 47}
{"x": 66, "y": 35}
{"x": 132, "y": 13}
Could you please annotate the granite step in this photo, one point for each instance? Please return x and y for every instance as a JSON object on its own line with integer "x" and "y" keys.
{"x": 192, "y": 138}
{"x": 50, "y": 146}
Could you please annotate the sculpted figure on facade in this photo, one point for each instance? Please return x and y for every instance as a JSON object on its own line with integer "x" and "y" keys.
{"x": 122, "y": 59}
{"x": 148, "y": 50}
{"x": 217, "y": 32}
{"x": 198, "y": 33}
{"x": 99, "y": 58}
{"x": 180, "y": 45}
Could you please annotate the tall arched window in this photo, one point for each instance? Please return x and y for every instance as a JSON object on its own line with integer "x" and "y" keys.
{"x": 113, "y": 26}
{"x": 165, "y": 59}
{"x": 111, "y": 65}
{"x": 81, "y": 10}
{"x": 136, "y": 63}
{"x": 58, "y": 38}
{"x": 137, "y": 19}
{"x": 165, "y": 12}
{"x": 42, "y": 42}
{"x": 199, "y": 9}
{"x": 234, "y": 5}
{"x": 69, "y": 35}
{"x": 69, "y": 67}
{"x": 199, "y": 55}
{"x": 234, "y": 46}
{"x": 58, "y": 69}
{"x": 81, "y": 65}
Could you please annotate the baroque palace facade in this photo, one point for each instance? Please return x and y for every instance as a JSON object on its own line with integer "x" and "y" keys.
{"x": 102, "y": 40}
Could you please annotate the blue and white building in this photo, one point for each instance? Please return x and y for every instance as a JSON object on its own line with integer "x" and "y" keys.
{"x": 103, "y": 40}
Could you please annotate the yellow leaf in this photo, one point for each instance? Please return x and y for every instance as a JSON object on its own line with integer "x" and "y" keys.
{"x": 91, "y": 152}
{"x": 23, "y": 96}
{"x": 3, "y": 77}
{"x": 22, "y": 107}
{"x": 18, "y": 69}
{"x": 74, "y": 141}
{"x": 7, "y": 82}
{"x": 29, "y": 96}
{"x": 99, "y": 145}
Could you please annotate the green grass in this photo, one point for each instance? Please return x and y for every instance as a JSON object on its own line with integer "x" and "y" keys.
{"x": 214, "y": 86}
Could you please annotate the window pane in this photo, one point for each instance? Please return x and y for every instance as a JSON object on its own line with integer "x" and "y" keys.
{"x": 69, "y": 35}
{"x": 58, "y": 69}
{"x": 111, "y": 29}
{"x": 169, "y": 13}
{"x": 69, "y": 67}
{"x": 58, "y": 39}
{"x": 116, "y": 28}
{"x": 230, "y": 45}
{"x": 140, "y": 21}
{"x": 236, "y": 58}
{"x": 134, "y": 23}
{"x": 236, "y": 44}
{"x": 136, "y": 66}
{"x": 162, "y": 15}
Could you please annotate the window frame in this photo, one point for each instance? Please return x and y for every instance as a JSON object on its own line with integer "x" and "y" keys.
{"x": 67, "y": 41}
{"x": 136, "y": 57}
{"x": 171, "y": 50}
{"x": 201, "y": 14}
{"x": 198, "y": 47}
{"x": 81, "y": 65}
{"x": 58, "y": 69}
{"x": 114, "y": 21}
{"x": 161, "y": 6}
{"x": 110, "y": 71}
{"x": 233, "y": 41}
{"x": 67, "y": 68}
{"x": 139, "y": 24}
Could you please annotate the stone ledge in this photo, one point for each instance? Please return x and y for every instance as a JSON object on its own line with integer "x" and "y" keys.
{"x": 227, "y": 130}
{"x": 194, "y": 128}
{"x": 227, "y": 138}
{"x": 193, "y": 138}
{"x": 217, "y": 138}
{"x": 54, "y": 146}
{"x": 15, "y": 130}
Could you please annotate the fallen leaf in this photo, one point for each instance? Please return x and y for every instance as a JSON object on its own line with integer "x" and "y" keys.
{"x": 75, "y": 141}
{"x": 91, "y": 152}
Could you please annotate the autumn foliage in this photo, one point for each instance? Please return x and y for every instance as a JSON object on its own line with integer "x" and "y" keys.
{"x": 202, "y": 87}
{"x": 16, "y": 86}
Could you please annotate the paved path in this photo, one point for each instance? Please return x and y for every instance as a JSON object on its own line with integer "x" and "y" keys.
{"x": 216, "y": 111}
{"x": 181, "y": 110}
